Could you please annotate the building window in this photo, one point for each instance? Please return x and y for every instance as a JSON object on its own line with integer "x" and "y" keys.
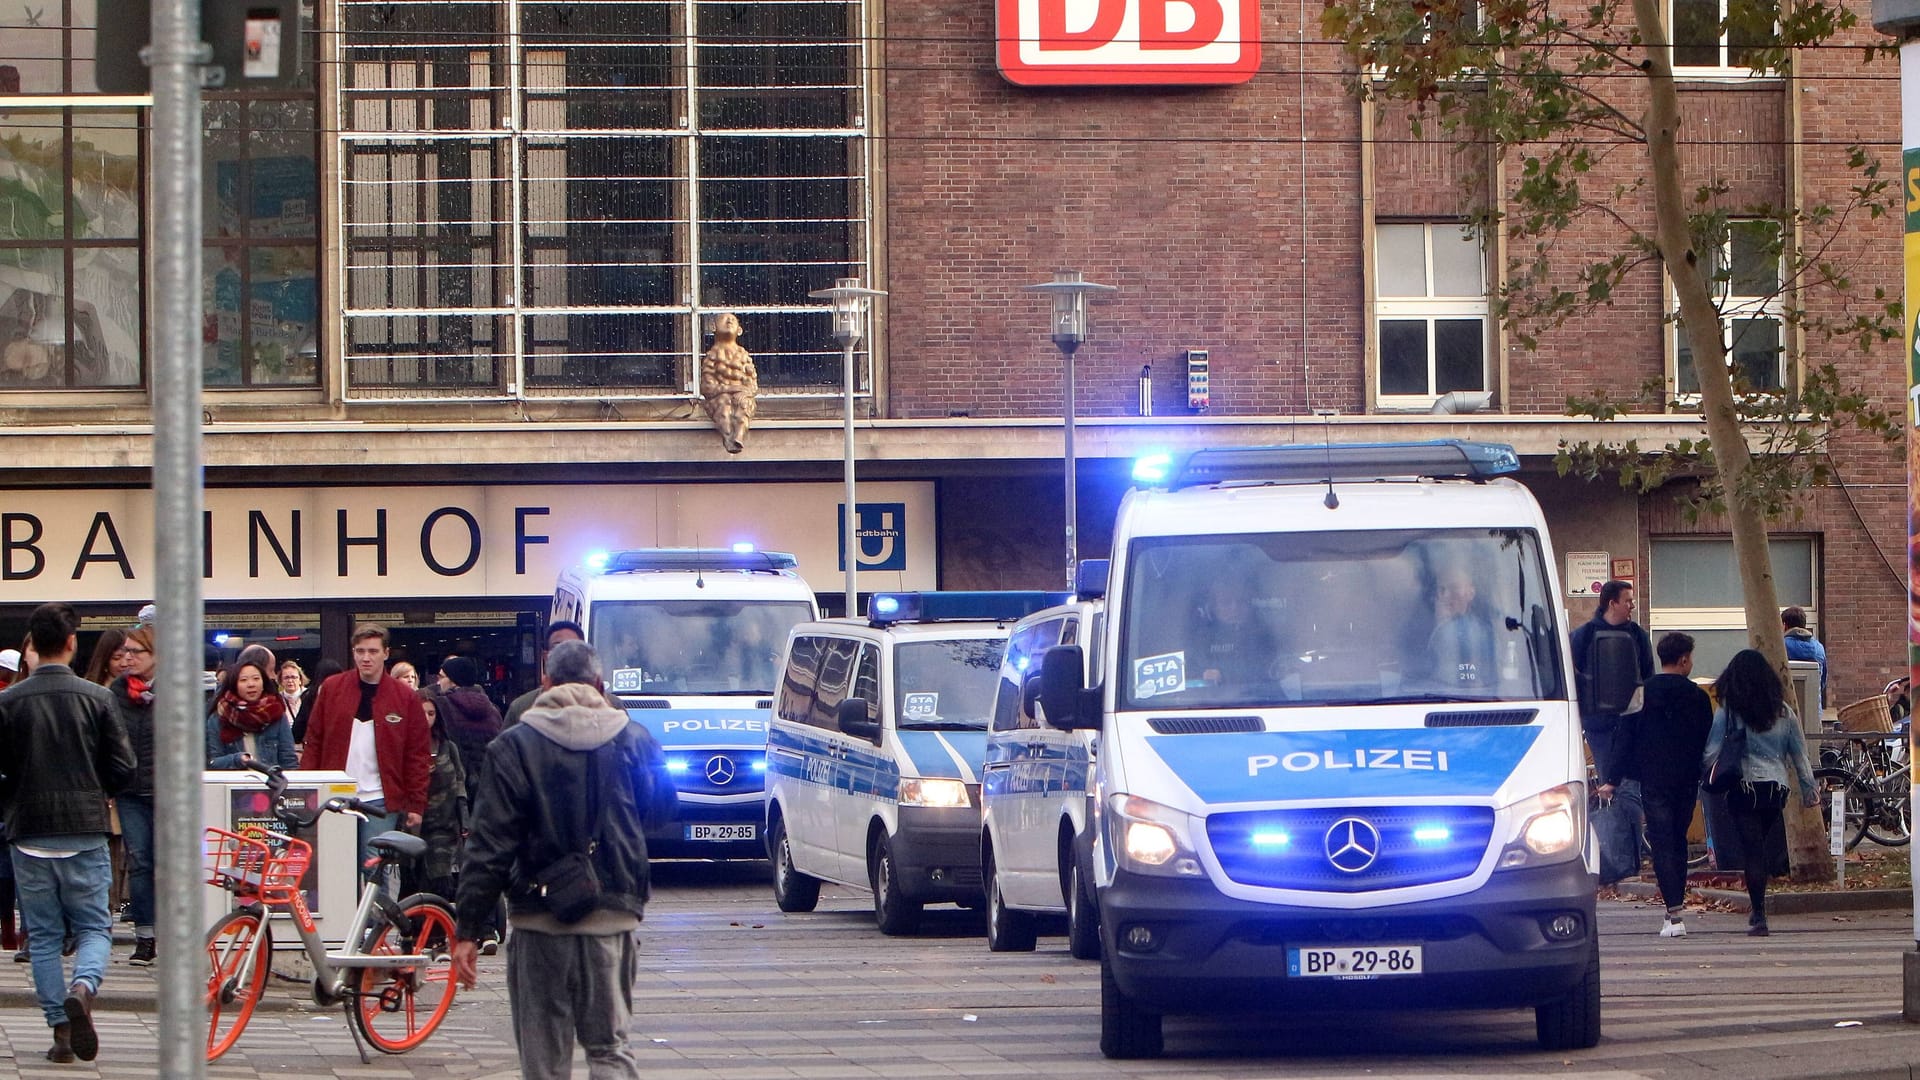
{"x": 1695, "y": 588}
{"x": 546, "y": 199}
{"x": 261, "y": 263}
{"x": 1746, "y": 281}
{"x": 1431, "y": 311}
{"x": 1702, "y": 37}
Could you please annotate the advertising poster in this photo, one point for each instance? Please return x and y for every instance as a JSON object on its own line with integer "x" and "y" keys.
{"x": 255, "y": 809}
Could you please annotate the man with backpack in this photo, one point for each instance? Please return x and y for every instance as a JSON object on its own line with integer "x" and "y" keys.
{"x": 1612, "y": 618}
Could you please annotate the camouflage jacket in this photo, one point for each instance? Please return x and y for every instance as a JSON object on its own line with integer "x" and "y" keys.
{"x": 446, "y": 816}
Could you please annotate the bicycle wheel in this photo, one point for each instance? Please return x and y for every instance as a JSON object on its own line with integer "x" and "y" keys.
{"x": 230, "y": 1003}
{"x": 397, "y": 1008}
{"x": 1858, "y": 800}
{"x": 1889, "y": 818}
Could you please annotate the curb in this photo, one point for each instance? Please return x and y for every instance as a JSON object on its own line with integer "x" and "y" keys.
{"x": 1785, "y": 903}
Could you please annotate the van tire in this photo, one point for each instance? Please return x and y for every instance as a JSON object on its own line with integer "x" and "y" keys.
{"x": 793, "y": 891}
{"x": 1083, "y": 916}
{"x": 1126, "y": 1029}
{"x": 896, "y": 914}
{"x": 1572, "y": 1021}
{"x": 1007, "y": 930}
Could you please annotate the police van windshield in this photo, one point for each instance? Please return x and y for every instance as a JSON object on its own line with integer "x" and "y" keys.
{"x": 692, "y": 646}
{"x": 946, "y": 685}
{"x": 1338, "y": 618}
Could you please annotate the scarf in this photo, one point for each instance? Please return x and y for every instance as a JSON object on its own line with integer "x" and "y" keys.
{"x": 139, "y": 691}
{"x": 239, "y": 718}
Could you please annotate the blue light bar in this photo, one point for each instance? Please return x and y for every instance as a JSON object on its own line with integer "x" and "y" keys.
{"x": 1316, "y": 463}
{"x": 888, "y": 608}
{"x": 741, "y": 547}
{"x": 1271, "y": 838}
{"x": 1151, "y": 470}
{"x": 1090, "y": 580}
{"x": 712, "y": 559}
{"x": 677, "y": 765}
{"x": 1432, "y": 834}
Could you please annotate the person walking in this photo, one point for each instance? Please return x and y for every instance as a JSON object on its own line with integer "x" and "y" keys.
{"x": 293, "y": 687}
{"x": 326, "y": 669}
{"x": 249, "y": 720}
{"x": 370, "y": 725}
{"x": 1775, "y": 763}
{"x": 471, "y": 717}
{"x": 574, "y": 782}
{"x": 63, "y": 752}
{"x": 1614, "y": 612}
{"x": 1660, "y": 746}
{"x": 446, "y": 817}
{"x": 133, "y": 701}
{"x": 558, "y": 631}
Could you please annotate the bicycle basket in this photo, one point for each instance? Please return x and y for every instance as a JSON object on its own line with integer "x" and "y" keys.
{"x": 1867, "y": 714}
{"x": 248, "y": 865}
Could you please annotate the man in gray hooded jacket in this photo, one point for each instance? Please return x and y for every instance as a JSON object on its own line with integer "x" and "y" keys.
{"x": 574, "y": 777}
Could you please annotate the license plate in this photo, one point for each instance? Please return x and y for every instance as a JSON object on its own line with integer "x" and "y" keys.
{"x": 1354, "y": 962}
{"x": 722, "y": 832}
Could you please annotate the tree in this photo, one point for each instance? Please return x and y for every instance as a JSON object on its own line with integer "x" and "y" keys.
{"x": 1579, "y": 105}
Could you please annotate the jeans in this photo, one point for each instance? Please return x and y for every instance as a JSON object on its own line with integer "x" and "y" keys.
{"x": 55, "y": 893}
{"x": 563, "y": 986}
{"x": 136, "y": 831}
{"x": 377, "y": 822}
{"x": 1757, "y": 817}
{"x": 1669, "y": 813}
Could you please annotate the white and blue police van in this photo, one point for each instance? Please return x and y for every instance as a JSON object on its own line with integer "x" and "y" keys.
{"x": 1035, "y": 847}
{"x": 874, "y": 751}
{"x": 690, "y": 640}
{"x": 1340, "y": 766}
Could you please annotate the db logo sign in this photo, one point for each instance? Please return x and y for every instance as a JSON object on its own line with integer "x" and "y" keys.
{"x": 1128, "y": 42}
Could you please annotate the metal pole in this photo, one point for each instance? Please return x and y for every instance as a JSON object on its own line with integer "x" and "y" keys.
{"x": 175, "y": 58}
{"x": 1073, "y": 504}
{"x": 851, "y": 512}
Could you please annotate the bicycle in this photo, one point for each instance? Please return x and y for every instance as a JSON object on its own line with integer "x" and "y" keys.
{"x": 394, "y": 976}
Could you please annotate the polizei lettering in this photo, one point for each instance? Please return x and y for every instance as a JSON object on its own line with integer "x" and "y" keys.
{"x": 1357, "y": 758}
{"x": 718, "y": 723}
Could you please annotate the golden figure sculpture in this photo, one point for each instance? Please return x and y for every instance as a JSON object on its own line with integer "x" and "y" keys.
{"x": 729, "y": 383}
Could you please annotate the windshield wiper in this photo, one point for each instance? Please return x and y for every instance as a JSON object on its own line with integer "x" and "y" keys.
{"x": 1417, "y": 699}
{"x": 729, "y": 693}
{"x": 944, "y": 725}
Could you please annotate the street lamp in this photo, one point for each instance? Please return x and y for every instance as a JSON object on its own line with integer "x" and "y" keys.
{"x": 850, "y": 304}
{"x": 1069, "y": 291}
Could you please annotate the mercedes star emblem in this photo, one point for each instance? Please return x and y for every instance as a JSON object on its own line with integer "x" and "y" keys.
{"x": 1352, "y": 844}
{"x": 720, "y": 770}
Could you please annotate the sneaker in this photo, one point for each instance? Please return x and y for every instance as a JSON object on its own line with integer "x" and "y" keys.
{"x": 1673, "y": 927}
{"x": 142, "y": 952}
{"x": 490, "y": 946}
{"x": 1759, "y": 930}
{"x": 24, "y": 956}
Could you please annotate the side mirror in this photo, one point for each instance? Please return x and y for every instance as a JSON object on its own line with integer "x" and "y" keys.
{"x": 1613, "y": 673}
{"x": 853, "y": 719}
{"x": 1063, "y": 691}
{"x": 1029, "y": 695}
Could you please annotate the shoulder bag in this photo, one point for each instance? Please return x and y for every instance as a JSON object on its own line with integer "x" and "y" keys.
{"x": 1723, "y": 772}
{"x": 569, "y": 885}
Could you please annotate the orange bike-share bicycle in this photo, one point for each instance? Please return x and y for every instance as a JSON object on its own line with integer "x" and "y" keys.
{"x": 394, "y": 975}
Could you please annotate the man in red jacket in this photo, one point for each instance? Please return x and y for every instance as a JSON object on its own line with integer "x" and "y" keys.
{"x": 371, "y": 725}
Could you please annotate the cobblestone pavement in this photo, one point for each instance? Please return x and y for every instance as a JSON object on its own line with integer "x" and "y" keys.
{"x": 732, "y": 989}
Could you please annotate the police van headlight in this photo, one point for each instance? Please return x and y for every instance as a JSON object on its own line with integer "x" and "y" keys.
{"x": 1152, "y": 839}
{"x": 1547, "y": 827}
{"x": 943, "y": 794}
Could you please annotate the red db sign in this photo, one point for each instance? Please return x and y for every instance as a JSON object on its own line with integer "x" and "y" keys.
{"x": 1128, "y": 42}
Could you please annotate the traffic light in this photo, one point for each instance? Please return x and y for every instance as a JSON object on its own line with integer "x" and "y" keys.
{"x": 256, "y": 45}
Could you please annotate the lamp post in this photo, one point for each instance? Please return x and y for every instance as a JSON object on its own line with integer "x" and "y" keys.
{"x": 850, "y": 304}
{"x": 1069, "y": 291}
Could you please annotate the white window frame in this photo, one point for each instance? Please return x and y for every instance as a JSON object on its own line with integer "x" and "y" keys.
{"x": 1724, "y": 69}
{"x": 1735, "y": 308}
{"x": 1428, "y": 309}
{"x": 1733, "y": 617}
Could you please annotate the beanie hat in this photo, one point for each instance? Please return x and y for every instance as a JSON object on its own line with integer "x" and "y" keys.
{"x": 463, "y": 670}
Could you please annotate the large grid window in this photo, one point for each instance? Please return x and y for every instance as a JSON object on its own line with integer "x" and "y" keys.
{"x": 1694, "y": 587}
{"x": 261, "y": 263}
{"x": 1752, "y": 312}
{"x": 548, "y": 199}
{"x": 1702, "y": 37}
{"x": 1431, "y": 312}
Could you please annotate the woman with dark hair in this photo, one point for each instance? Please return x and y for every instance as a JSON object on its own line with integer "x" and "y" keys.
{"x": 133, "y": 700}
{"x": 326, "y": 669}
{"x": 249, "y": 721}
{"x": 446, "y": 815}
{"x": 105, "y": 665}
{"x": 1752, "y": 696}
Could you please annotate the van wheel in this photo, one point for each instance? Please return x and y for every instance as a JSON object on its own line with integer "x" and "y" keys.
{"x": 1007, "y": 930}
{"x": 1572, "y": 1022}
{"x": 1083, "y": 917}
{"x": 1126, "y": 1029}
{"x": 895, "y": 913}
{"x": 792, "y": 890}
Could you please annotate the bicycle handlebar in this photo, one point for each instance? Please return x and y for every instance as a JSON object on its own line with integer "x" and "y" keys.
{"x": 293, "y": 819}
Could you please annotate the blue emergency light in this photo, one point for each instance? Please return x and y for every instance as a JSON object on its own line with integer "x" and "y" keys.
{"x": 885, "y": 609}
{"x": 738, "y": 557}
{"x": 1090, "y": 579}
{"x": 1317, "y": 463}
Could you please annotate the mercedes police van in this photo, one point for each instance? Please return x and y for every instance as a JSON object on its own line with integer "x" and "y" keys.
{"x": 874, "y": 751}
{"x": 690, "y": 641}
{"x": 1339, "y": 762}
{"x": 1034, "y": 843}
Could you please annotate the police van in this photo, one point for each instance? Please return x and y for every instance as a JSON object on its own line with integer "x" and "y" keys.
{"x": 875, "y": 746}
{"x": 1034, "y": 841}
{"x": 1340, "y": 765}
{"x": 690, "y": 640}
